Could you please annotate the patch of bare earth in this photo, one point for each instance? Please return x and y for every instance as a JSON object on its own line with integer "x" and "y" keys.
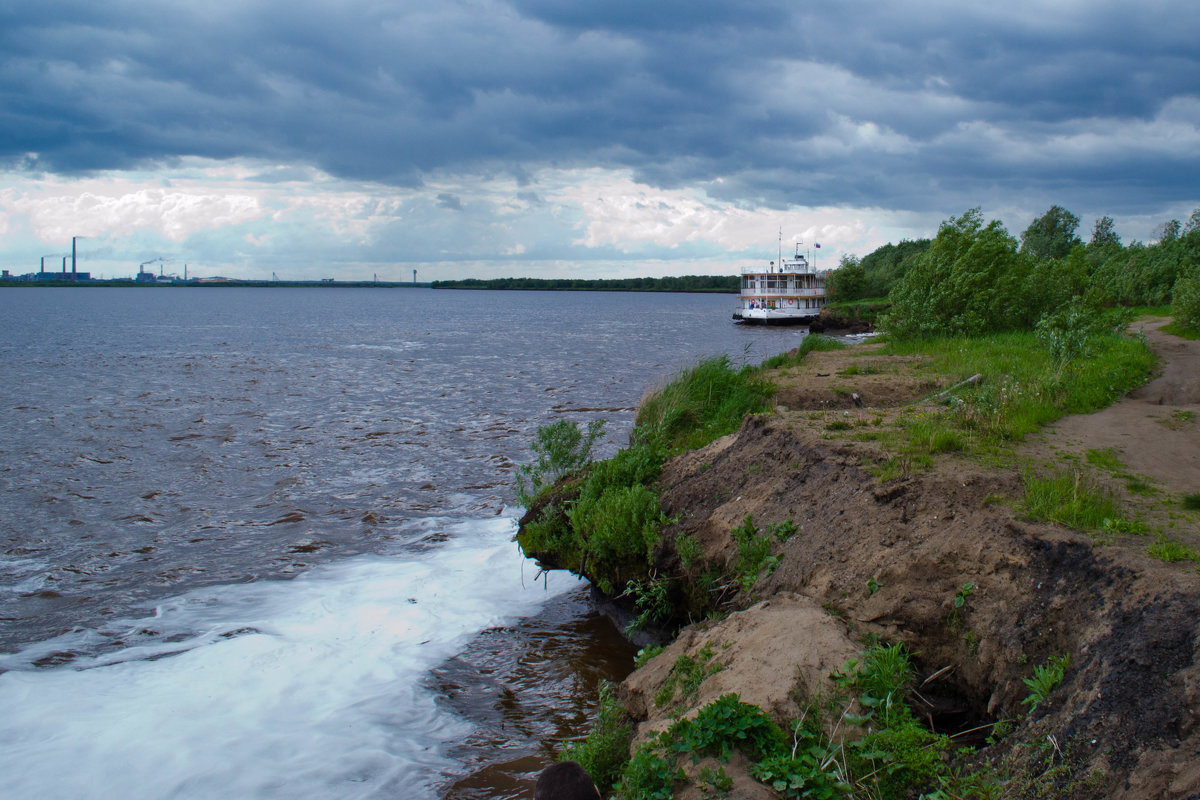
{"x": 889, "y": 560}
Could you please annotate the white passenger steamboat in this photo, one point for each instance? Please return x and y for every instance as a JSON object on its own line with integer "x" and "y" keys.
{"x": 792, "y": 293}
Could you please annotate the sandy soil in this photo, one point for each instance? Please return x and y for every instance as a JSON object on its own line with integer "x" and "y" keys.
{"x": 887, "y": 559}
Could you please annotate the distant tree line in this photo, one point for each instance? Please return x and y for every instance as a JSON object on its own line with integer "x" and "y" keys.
{"x": 685, "y": 283}
{"x": 975, "y": 278}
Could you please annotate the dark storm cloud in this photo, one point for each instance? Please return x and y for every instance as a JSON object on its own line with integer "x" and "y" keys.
{"x": 867, "y": 103}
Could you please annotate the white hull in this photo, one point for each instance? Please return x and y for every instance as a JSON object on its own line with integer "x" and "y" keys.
{"x": 775, "y": 316}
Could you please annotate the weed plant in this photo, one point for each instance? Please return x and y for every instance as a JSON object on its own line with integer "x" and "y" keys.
{"x": 1046, "y": 678}
{"x": 754, "y": 552}
{"x": 561, "y": 448}
{"x": 686, "y": 675}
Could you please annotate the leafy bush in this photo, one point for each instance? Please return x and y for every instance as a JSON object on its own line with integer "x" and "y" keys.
{"x": 754, "y": 552}
{"x": 728, "y": 723}
{"x": 1185, "y": 304}
{"x": 970, "y": 281}
{"x": 617, "y": 523}
{"x": 1074, "y": 330}
{"x": 561, "y": 448}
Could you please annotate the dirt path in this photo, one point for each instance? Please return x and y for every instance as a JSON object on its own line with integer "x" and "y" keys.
{"x": 1155, "y": 431}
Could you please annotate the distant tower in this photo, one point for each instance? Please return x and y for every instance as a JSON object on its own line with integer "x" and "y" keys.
{"x": 414, "y": 276}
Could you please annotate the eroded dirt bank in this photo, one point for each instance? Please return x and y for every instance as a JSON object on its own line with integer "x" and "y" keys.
{"x": 889, "y": 560}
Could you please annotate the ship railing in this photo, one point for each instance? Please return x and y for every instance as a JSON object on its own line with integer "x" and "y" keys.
{"x": 809, "y": 292}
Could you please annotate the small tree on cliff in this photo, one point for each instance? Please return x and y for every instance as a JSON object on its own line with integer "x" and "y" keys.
{"x": 561, "y": 448}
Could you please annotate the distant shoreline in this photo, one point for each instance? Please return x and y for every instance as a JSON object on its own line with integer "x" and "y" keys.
{"x": 661, "y": 285}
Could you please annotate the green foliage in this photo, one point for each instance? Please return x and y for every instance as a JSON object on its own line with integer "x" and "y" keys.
{"x": 605, "y": 749}
{"x": 782, "y": 531}
{"x": 810, "y": 343}
{"x": 618, "y": 523}
{"x": 684, "y": 283}
{"x": 894, "y": 756}
{"x": 1045, "y": 680}
{"x": 1104, "y": 233}
{"x": 810, "y": 774}
{"x": 648, "y": 775}
{"x": 650, "y": 600}
{"x": 1073, "y": 330}
{"x": 715, "y": 781}
{"x": 876, "y": 274}
{"x": 1023, "y": 388}
{"x": 701, "y": 404}
{"x": 815, "y": 342}
{"x": 561, "y": 448}
{"x": 848, "y": 281}
{"x": 970, "y": 281}
{"x": 728, "y": 723}
{"x": 688, "y": 549}
{"x": 932, "y": 435}
{"x": 1185, "y": 305}
{"x": 1105, "y": 459}
{"x": 1191, "y": 502}
{"x": 1051, "y": 235}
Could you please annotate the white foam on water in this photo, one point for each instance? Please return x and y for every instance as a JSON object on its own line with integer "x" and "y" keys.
{"x": 309, "y": 688}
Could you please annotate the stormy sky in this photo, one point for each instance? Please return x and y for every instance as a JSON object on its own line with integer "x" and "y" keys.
{"x": 563, "y": 138}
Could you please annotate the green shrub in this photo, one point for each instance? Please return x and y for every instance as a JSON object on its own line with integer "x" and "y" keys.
{"x": 561, "y": 448}
{"x": 1185, "y": 304}
{"x": 620, "y": 524}
{"x": 970, "y": 281}
{"x": 754, "y": 552}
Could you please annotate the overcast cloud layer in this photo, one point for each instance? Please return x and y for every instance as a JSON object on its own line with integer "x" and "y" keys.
{"x": 553, "y": 137}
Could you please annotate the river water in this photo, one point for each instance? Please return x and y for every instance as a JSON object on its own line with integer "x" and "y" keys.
{"x": 257, "y": 543}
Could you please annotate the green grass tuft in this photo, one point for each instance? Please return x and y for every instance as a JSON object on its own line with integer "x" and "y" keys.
{"x": 1070, "y": 499}
{"x": 1171, "y": 550}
